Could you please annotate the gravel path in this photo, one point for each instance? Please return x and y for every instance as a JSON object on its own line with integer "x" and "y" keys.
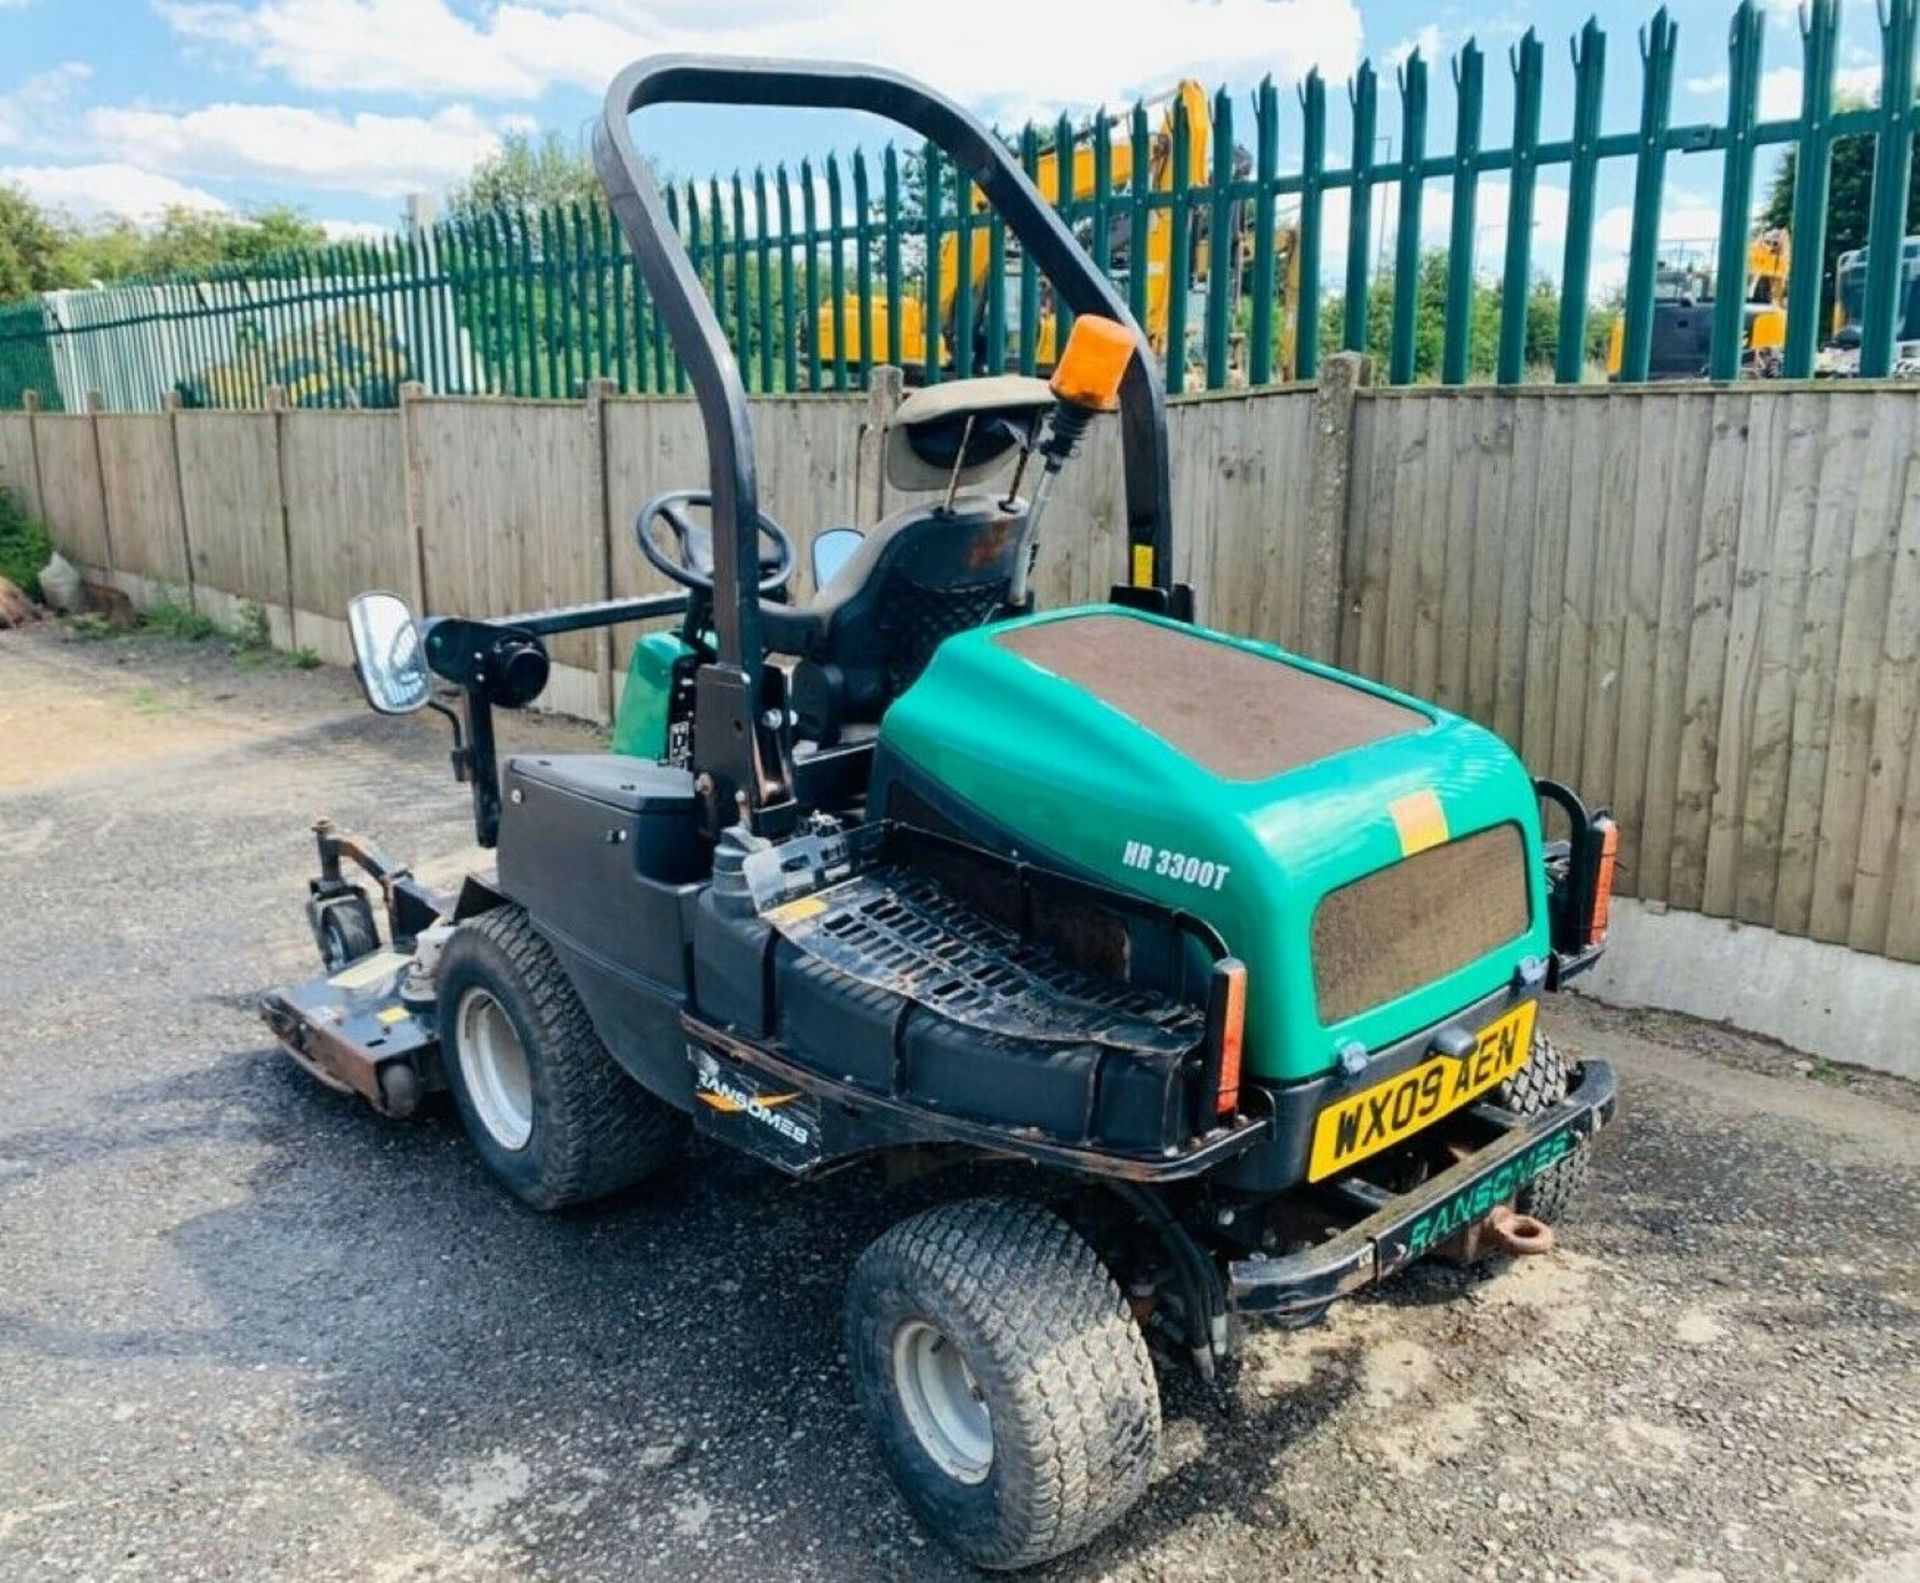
{"x": 249, "y": 1330}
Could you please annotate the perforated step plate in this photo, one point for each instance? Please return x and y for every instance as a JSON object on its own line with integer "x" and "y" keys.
{"x": 896, "y": 929}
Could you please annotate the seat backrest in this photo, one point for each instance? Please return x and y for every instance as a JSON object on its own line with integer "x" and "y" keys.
{"x": 920, "y": 576}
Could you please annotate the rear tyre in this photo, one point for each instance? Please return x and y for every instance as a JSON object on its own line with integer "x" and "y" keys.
{"x": 551, "y": 1115}
{"x": 1540, "y": 1085}
{"x": 1005, "y": 1378}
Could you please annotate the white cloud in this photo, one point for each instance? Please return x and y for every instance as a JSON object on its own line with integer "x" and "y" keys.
{"x": 26, "y": 111}
{"x": 94, "y": 192}
{"x": 1426, "y": 40}
{"x": 1689, "y": 225}
{"x": 382, "y": 156}
{"x": 355, "y": 230}
{"x": 1006, "y": 58}
{"x": 1780, "y": 88}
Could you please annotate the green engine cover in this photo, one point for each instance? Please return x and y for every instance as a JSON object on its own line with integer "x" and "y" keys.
{"x": 640, "y": 728}
{"x": 1246, "y": 785}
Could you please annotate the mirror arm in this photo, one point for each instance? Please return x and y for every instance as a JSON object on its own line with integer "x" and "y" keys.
{"x": 479, "y": 758}
{"x": 459, "y": 753}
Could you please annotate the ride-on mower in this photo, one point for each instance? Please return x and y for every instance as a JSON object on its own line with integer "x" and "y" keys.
{"x": 1240, "y": 955}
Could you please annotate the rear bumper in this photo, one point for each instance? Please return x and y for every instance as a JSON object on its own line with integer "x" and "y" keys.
{"x": 1398, "y": 1230}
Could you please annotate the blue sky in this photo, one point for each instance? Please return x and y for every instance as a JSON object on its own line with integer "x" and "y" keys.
{"x": 342, "y": 107}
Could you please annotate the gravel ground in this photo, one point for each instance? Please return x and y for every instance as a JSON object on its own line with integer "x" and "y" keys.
{"x": 250, "y": 1330}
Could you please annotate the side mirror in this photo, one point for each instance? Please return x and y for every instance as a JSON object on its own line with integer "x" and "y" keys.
{"x": 387, "y": 654}
{"x": 831, "y": 551}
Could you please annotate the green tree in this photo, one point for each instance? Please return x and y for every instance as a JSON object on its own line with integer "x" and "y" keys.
{"x": 1483, "y": 343}
{"x": 1850, "y": 199}
{"x": 34, "y": 253}
{"x": 195, "y": 242}
{"x": 525, "y": 174}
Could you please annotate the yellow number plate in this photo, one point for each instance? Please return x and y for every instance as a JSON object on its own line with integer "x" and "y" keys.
{"x": 1388, "y": 1113}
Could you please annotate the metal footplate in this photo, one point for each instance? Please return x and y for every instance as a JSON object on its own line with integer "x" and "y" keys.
{"x": 900, "y": 931}
{"x": 1297, "y": 1286}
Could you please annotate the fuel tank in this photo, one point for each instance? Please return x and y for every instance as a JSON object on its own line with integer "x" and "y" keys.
{"x": 1374, "y": 860}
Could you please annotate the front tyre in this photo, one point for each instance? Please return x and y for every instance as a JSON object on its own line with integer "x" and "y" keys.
{"x": 344, "y": 930}
{"x": 1005, "y": 1377}
{"x": 1540, "y": 1085}
{"x": 550, "y": 1114}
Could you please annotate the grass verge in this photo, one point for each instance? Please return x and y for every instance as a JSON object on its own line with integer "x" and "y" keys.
{"x": 248, "y": 640}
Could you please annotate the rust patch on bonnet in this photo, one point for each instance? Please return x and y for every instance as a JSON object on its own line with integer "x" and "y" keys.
{"x": 1242, "y": 715}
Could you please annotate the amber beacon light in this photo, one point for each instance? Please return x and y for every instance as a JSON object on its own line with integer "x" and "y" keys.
{"x": 1094, "y": 363}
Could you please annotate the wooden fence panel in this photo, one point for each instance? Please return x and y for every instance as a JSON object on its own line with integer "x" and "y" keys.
{"x": 508, "y": 496}
{"x": 1893, "y": 762}
{"x": 651, "y": 447}
{"x": 141, "y": 478}
{"x": 1257, "y": 481}
{"x": 1730, "y": 770}
{"x": 1699, "y": 606}
{"x": 1865, "y": 569}
{"x": 1084, "y": 531}
{"x": 1706, "y": 637}
{"x": 236, "y": 520}
{"x": 18, "y": 474}
{"x": 70, "y": 493}
{"x": 347, "y": 532}
{"x": 806, "y": 447}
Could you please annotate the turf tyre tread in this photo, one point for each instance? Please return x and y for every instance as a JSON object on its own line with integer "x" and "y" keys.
{"x": 1074, "y": 1404}
{"x": 596, "y": 1130}
{"x": 1538, "y": 1086}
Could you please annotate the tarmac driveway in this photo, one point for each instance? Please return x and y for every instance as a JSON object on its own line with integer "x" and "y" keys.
{"x": 249, "y": 1330}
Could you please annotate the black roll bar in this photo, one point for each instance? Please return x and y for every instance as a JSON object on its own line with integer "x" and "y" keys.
{"x": 702, "y": 343}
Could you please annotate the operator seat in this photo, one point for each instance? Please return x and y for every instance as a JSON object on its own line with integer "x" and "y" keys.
{"x": 925, "y": 572}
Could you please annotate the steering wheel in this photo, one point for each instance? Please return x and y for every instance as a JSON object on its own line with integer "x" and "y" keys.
{"x": 691, "y": 562}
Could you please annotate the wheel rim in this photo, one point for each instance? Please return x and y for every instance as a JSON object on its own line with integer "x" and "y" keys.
{"x": 493, "y": 1064}
{"x": 944, "y": 1403}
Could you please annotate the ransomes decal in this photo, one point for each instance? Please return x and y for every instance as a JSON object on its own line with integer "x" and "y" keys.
{"x": 756, "y": 1112}
{"x": 1377, "y": 1118}
{"x": 1478, "y": 1200}
{"x": 713, "y": 1090}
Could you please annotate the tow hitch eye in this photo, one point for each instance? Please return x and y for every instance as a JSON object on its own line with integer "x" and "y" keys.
{"x": 1517, "y": 1234}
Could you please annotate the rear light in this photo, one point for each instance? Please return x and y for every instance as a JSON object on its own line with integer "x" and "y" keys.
{"x": 1609, "y": 833}
{"x": 1226, "y": 1027}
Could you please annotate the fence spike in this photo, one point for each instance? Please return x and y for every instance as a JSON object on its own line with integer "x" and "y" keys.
{"x": 1469, "y": 70}
{"x": 1526, "y": 60}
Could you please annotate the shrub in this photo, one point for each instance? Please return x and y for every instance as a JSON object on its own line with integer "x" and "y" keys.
{"x": 25, "y": 546}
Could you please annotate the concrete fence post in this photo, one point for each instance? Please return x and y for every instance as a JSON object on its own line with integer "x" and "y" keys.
{"x": 1323, "y": 560}
{"x": 97, "y": 404}
{"x": 170, "y": 406}
{"x": 30, "y": 405}
{"x": 598, "y": 390}
{"x": 410, "y": 392}
{"x": 277, "y": 405}
{"x": 884, "y": 388}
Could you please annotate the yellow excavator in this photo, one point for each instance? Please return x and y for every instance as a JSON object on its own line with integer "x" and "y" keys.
{"x": 1683, "y": 316}
{"x": 870, "y": 341}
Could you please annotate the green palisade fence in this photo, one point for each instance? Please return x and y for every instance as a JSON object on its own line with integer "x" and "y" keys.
{"x": 819, "y": 273}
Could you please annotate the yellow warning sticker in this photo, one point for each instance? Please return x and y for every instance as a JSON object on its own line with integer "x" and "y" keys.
{"x": 1420, "y": 819}
{"x": 1143, "y": 566}
{"x": 394, "y": 1014}
{"x": 797, "y": 911}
